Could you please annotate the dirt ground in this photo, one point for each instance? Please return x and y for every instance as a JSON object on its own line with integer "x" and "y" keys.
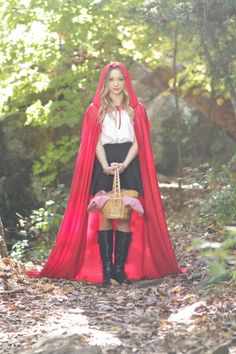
{"x": 175, "y": 314}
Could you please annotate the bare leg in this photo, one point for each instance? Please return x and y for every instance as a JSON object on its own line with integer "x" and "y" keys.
{"x": 104, "y": 224}
{"x": 123, "y": 225}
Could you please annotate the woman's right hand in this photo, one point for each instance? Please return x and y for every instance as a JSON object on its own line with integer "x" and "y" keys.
{"x": 109, "y": 170}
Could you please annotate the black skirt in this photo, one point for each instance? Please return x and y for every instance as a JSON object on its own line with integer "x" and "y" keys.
{"x": 129, "y": 179}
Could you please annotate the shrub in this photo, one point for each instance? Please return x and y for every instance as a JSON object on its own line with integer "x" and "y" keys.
{"x": 38, "y": 231}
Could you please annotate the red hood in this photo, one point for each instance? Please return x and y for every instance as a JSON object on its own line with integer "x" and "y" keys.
{"x": 128, "y": 83}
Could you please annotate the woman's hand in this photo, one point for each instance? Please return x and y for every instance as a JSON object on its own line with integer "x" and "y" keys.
{"x": 120, "y": 165}
{"x": 109, "y": 170}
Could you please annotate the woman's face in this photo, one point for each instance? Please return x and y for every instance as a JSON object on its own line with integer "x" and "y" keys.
{"x": 116, "y": 82}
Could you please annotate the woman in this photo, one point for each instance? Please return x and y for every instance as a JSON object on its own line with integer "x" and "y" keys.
{"x": 116, "y": 148}
{"x": 83, "y": 248}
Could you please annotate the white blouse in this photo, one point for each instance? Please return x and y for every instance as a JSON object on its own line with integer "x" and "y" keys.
{"x": 118, "y": 130}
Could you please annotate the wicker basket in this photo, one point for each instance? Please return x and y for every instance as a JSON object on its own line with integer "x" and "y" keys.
{"x": 114, "y": 207}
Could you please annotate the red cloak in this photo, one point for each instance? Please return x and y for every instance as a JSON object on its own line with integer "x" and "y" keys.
{"x": 75, "y": 254}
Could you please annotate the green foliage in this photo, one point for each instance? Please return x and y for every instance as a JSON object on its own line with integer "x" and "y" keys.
{"x": 206, "y": 41}
{"x": 56, "y": 157}
{"x": 219, "y": 208}
{"x": 52, "y": 54}
{"x": 218, "y": 219}
{"x": 195, "y": 77}
{"x": 19, "y": 249}
{"x": 221, "y": 255}
{"x": 39, "y": 230}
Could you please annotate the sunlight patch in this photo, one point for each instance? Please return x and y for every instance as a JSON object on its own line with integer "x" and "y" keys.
{"x": 184, "y": 314}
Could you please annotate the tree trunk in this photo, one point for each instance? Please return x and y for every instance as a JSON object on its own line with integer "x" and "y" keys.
{"x": 3, "y": 246}
{"x": 177, "y": 118}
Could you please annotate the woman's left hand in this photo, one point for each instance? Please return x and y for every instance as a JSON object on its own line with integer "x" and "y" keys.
{"x": 121, "y": 166}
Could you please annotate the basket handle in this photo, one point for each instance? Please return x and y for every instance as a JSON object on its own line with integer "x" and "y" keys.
{"x": 116, "y": 184}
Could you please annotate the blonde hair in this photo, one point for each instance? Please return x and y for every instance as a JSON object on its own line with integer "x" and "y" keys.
{"x": 107, "y": 105}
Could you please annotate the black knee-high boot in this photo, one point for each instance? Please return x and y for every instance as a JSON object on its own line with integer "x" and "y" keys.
{"x": 121, "y": 252}
{"x": 105, "y": 240}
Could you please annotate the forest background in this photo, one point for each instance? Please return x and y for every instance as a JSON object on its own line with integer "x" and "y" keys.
{"x": 182, "y": 58}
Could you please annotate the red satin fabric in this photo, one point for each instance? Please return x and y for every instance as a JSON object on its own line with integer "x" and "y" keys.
{"x": 75, "y": 254}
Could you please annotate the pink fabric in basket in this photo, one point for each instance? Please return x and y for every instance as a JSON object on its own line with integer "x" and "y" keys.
{"x": 134, "y": 203}
{"x": 98, "y": 201}
{"x": 101, "y": 197}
